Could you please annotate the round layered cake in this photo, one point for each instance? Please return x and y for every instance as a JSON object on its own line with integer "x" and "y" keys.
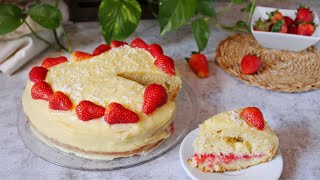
{"x": 116, "y": 103}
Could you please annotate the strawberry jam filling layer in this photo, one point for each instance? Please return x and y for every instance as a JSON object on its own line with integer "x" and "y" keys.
{"x": 211, "y": 159}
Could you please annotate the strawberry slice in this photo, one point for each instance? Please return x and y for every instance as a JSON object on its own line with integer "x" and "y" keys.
{"x": 50, "y": 62}
{"x": 115, "y": 44}
{"x": 154, "y": 96}
{"x": 139, "y": 43}
{"x": 166, "y": 64}
{"x": 254, "y": 116}
{"x": 155, "y": 50}
{"x": 87, "y": 110}
{"x": 117, "y": 114}
{"x": 41, "y": 90}
{"x": 37, "y": 74}
{"x": 200, "y": 158}
{"x": 60, "y": 101}
{"x": 101, "y": 49}
{"x": 250, "y": 64}
{"x": 77, "y": 56}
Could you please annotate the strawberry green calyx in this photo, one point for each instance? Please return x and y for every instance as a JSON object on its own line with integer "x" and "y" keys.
{"x": 303, "y": 6}
{"x": 262, "y": 25}
{"x": 271, "y": 14}
{"x": 277, "y": 26}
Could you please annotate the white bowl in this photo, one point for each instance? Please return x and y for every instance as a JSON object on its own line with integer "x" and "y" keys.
{"x": 283, "y": 41}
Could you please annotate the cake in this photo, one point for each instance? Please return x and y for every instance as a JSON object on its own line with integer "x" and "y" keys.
{"x": 233, "y": 140}
{"x": 118, "y": 101}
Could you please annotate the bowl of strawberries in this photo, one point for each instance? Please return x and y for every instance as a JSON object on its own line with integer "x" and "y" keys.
{"x": 285, "y": 29}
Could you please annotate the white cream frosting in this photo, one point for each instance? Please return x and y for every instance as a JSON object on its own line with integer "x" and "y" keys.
{"x": 97, "y": 80}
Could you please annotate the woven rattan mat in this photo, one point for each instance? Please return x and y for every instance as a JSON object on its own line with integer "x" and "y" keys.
{"x": 281, "y": 70}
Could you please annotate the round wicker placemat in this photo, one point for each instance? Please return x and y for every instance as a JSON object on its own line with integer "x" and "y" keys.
{"x": 283, "y": 71}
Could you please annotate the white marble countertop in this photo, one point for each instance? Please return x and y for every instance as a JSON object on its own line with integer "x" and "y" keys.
{"x": 295, "y": 117}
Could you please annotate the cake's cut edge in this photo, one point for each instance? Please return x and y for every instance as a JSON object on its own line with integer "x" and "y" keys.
{"x": 171, "y": 84}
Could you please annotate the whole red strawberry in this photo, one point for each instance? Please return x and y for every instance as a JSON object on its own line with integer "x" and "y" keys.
{"x": 254, "y": 116}
{"x": 87, "y": 110}
{"x": 305, "y": 29}
{"x": 250, "y": 64}
{"x": 289, "y": 21}
{"x": 50, "y": 62}
{"x": 155, "y": 50}
{"x": 77, "y": 56}
{"x": 199, "y": 64}
{"x": 154, "y": 96}
{"x": 304, "y": 14}
{"x": 60, "y": 101}
{"x": 139, "y": 43}
{"x": 101, "y": 49}
{"x": 275, "y": 16}
{"x": 41, "y": 90}
{"x": 166, "y": 64}
{"x": 116, "y": 43}
{"x": 37, "y": 74}
{"x": 117, "y": 114}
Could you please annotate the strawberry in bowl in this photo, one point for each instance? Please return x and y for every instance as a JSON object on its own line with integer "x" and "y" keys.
{"x": 284, "y": 29}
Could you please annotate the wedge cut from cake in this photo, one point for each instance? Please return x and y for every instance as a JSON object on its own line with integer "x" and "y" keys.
{"x": 234, "y": 140}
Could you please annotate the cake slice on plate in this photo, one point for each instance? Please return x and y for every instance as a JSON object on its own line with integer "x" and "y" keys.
{"x": 234, "y": 140}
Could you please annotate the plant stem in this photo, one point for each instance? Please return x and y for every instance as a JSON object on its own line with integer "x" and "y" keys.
{"x": 35, "y": 34}
{"x": 64, "y": 32}
{"x": 67, "y": 38}
{"x": 58, "y": 41}
{"x": 252, "y": 8}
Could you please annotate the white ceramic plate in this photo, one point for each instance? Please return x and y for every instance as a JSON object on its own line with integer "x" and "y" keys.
{"x": 267, "y": 171}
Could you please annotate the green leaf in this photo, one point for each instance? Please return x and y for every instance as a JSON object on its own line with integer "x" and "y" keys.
{"x": 46, "y": 15}
{"x": 175, "y": 13}
{"x": 201, "y": 33}
{"x": 237, "y": 1}
{"x": 118, "y": 18}
{"x": 239, "y": 26}
{"x": 206, "y": 7}
{"x": 10, "y": 18}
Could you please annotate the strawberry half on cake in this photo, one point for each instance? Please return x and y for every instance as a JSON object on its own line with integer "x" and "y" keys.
{"x": 234, "y": 140}
{"x": 118, "y": 101}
